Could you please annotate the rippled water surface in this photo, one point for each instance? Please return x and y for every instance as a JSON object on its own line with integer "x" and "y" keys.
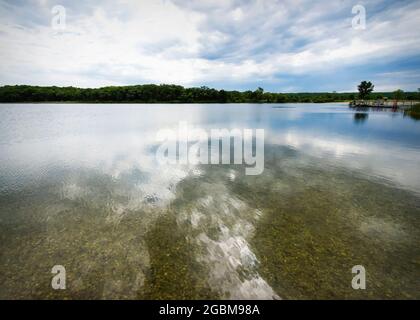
{"x": 80, "y": 187}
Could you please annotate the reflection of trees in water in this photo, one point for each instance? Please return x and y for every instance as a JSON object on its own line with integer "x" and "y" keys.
{"x": 412, "y": 115}
{"x": 360, "y": 117}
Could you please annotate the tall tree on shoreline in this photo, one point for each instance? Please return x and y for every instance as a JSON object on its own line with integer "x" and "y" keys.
{"x": 365, "y": 88}
{"x": 398, "y": 95}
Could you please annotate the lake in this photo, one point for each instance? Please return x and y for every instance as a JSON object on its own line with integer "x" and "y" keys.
{"x": 80, "y": 187}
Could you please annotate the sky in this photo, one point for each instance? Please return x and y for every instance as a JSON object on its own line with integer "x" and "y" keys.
{"x": 281, "y": 46}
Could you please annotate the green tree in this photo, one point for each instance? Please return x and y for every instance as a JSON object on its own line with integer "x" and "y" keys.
{"x": 398, "y": 95}
{"x": 365, "y": 88}
{"x": 257, "y": 95}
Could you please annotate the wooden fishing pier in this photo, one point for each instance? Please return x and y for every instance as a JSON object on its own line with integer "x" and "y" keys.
{"x": 392, "y": 104}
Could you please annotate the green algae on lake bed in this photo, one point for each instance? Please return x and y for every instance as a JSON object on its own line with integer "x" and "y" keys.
{"x": 308, "y": 243}
{"x": 216, "y": 235}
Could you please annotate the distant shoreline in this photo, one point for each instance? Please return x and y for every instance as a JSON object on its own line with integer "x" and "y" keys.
{"x": 173, "y": 94}
{"x": 161, "y": 102}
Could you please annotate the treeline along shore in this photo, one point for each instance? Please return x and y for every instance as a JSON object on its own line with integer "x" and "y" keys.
{"x": 151, "y": 93}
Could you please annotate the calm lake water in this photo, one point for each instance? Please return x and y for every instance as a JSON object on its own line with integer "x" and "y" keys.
{"x": 80, "y": 187}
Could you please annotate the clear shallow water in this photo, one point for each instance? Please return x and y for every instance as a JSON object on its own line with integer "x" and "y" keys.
{"x": 80, "y": 187}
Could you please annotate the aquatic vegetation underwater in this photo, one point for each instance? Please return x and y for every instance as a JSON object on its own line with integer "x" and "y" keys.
{"x": 211, "y": 232}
